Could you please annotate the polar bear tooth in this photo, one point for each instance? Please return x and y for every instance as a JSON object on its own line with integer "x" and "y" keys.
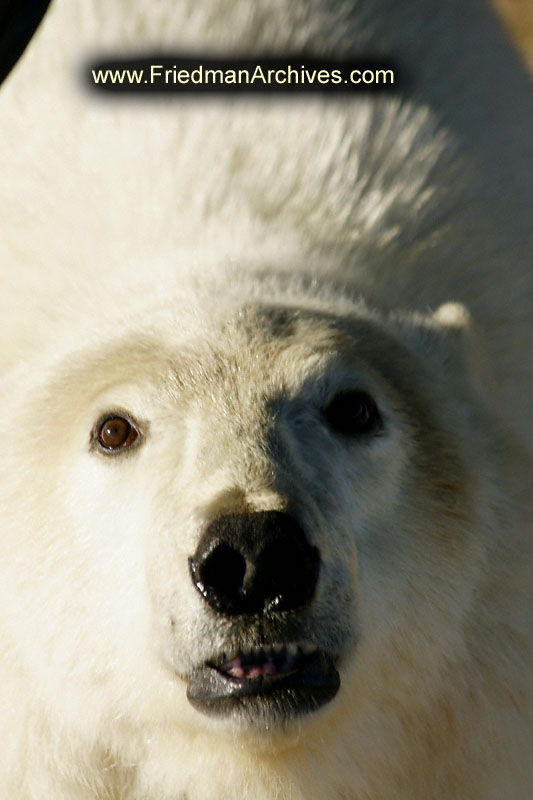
{"x": 237, "y": 671}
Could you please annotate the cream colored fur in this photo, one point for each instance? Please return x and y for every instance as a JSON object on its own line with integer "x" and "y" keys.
{"x": 193, "y": 262}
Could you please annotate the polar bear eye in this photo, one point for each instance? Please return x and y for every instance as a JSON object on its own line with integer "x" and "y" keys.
{"x": 353, "y": 413}
{"x": 115, "y": 433}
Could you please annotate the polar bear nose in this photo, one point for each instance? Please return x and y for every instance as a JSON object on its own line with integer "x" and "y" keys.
{"x": 253, "y": 563}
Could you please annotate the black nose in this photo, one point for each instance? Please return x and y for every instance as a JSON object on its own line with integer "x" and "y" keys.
{"x": 254, "y": 563}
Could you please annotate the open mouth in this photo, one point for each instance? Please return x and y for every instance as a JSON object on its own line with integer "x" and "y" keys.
{"x": 281, "y": 680}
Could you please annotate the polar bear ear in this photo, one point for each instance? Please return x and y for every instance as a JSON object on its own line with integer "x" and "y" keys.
{"x": 450, "y": 343}
{"x": 18, "y": 22}
{"x": 451, "y": 334}
{"x": 447, "y": 337}
{"x": 462, "y": 349}
{"x": 441, "y": 334}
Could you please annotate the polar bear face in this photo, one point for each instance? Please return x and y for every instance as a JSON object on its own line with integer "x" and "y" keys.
{"x": 254, "y": 517}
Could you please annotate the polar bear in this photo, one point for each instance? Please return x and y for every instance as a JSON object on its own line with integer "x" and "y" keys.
{"x": 266, "y": 427}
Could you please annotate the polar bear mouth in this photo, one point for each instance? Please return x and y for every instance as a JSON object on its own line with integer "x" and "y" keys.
{"x": 281, "y": 680}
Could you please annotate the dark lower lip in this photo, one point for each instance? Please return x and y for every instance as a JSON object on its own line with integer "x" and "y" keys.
{"x": 311, "y": 685}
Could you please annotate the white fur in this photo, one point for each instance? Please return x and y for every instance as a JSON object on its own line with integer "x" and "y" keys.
{"x": 145, "y": 247}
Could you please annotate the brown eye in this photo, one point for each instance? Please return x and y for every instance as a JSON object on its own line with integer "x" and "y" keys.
{"x": 353, "y": 413}
{"x": 116, "y": 433}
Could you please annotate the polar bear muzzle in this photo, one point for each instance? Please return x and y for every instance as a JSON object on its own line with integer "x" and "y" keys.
{"x": 249, "y": 566}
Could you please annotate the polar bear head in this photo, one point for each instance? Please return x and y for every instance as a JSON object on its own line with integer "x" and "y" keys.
{"x": 244, "y": 520}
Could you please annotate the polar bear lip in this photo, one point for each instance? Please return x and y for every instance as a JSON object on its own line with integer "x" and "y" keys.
{"x": 296, "y": 684}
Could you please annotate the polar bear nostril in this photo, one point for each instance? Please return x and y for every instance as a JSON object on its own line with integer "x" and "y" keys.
{"x": 222, "y": 571}
{"x": 254, "y": 563}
